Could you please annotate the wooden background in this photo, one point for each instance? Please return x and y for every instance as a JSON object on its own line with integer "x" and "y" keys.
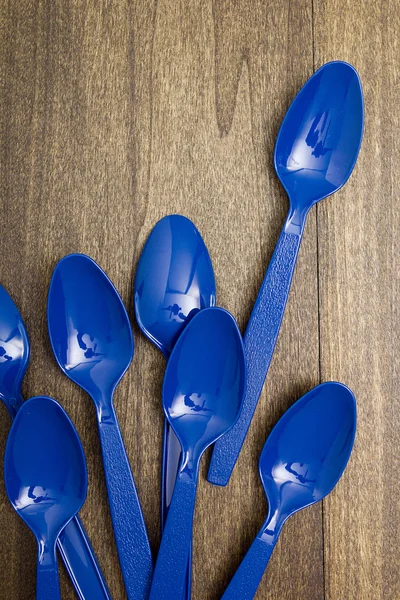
{"x": 115, "y": 113}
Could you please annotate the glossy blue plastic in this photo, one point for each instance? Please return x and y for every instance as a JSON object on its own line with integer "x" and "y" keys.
{"x": 92, "y": 341}
{"x": 301, "y": 462}
{"x": 202, "y": 396}
{"x": 46, "y": 480}
{"x": 174, "y": 280}
{"x": 315, "y": 153}
{"x": 14, "y": 353}
{"x": 73, "y": 543}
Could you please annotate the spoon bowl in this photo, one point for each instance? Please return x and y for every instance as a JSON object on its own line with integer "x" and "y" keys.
{"x": 45, "y": 469}
{"x": 174, "y": 279}
{"x": 308, "y": 450}
{"x": 301, "y": 462}
{"x": 46, "y": 478}
{"x": 89, "y": 329}
{"x": 320, "y": 137}
{"x": 202, "y": 396}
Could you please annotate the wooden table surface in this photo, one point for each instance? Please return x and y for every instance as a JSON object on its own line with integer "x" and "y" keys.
{"x": 116, "y": 113}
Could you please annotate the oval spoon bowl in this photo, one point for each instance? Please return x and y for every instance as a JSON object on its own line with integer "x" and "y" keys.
{"x": 174, "y": 279}
{"x": 204, "y": 381}
{"x": 320, "y": 137}
{"x": 308, "y": 449}
{"x": 89, "y": 328}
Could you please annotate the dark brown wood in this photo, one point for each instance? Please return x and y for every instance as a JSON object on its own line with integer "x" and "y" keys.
{"x": 114, "y": 114}
{"x": 358, "y": 233}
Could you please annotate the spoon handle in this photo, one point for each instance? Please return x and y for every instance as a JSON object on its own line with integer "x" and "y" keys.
{"x": 47, "y": 583}
{"x": 126, "y": 513}
{"x": 79, "y": 558}
{"x": 171, "y": 570}
{"x": 259, "y": 344}
{"x": 171, "y": 460}
{"x": 247, "y": 578}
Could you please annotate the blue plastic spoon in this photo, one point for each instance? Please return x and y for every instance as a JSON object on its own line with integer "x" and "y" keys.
{"x": 202, "y": 396}
{"x": 46, "y": 480}
{"x": 73, "y": 542}
{"x": 301, "y": 462}
{"x": 315, "y": 153}
{"x": 174, "y": 279}
{"x": 92, "y": 341}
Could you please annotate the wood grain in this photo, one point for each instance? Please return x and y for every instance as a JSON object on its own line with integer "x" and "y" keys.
{"x": 358, "y": 233}
{"x": 114, "y": 114}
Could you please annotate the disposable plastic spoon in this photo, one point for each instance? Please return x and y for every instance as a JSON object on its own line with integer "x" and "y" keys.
{"x": 73, "y": 543}
{"x": 174, "y": 279}
{"x": 46, "y": 480}
{"x": 202, "y": 396}
{"x": 91, "y": 337}
{"x": 301, "y": 462}
{"x": 315, "y": 153}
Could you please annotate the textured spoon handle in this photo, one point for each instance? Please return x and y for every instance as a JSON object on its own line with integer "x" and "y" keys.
{"x": 47, "y": 583}
{"x": 247, "y": 578}
{"x": 81, "y": 562}
{"x": 259, "y": 344}
{"x": 170, "y": 572}
{"x": 171, "y": 459}
{"x": 126, "y": 513}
